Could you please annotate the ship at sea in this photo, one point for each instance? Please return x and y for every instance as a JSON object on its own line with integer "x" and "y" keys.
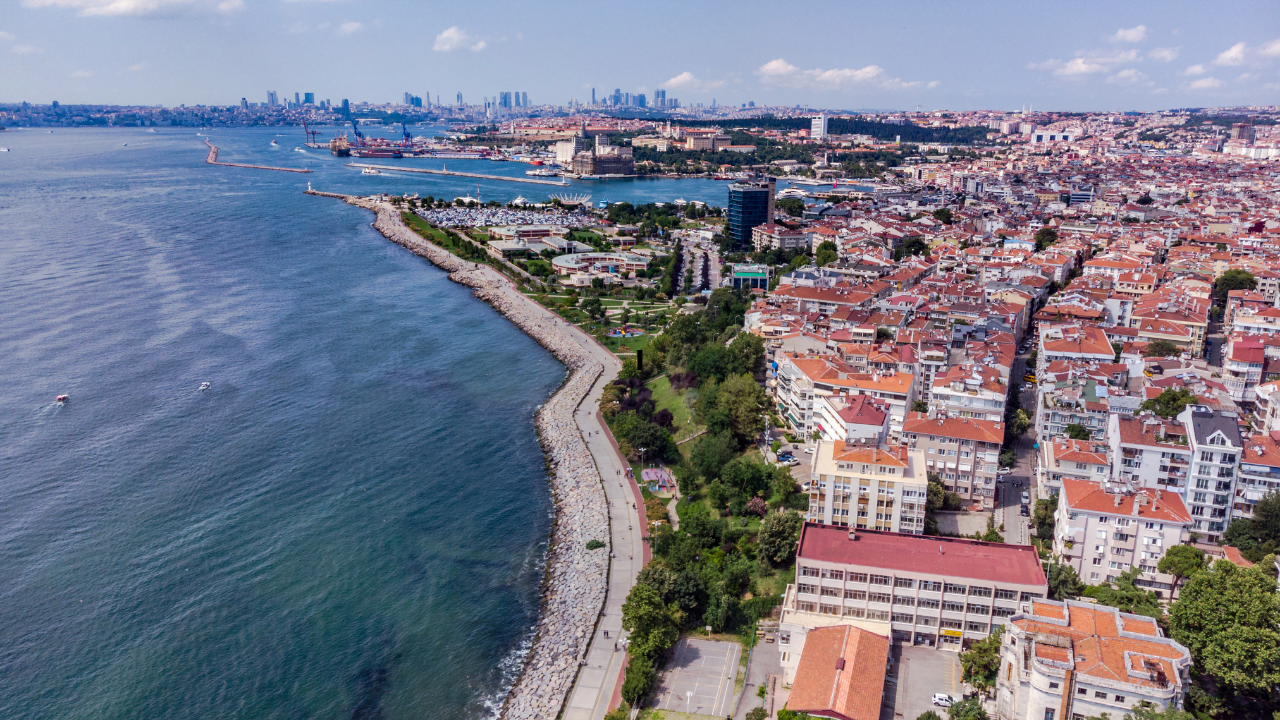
{"x": 340, "y": 146}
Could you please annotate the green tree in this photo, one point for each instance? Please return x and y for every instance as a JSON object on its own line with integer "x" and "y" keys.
{"x": 744, "y": 401}
{"x": 652, "y": 628}
{"x": 1045, "y": 237}
{"x": 778, "y": 535}
{"x": 758, "y": 713}
{"x": 943, "y": 215}
{"x": 791, "y": 206}
{"x": 981, "y": 661}
{"x": 1170, "y": 402}
{"x": 746, "y": 353}
{"x": 593, "y": 307}
{"x": 1258, "y": 536}
{"x": 639, "y": 680}
{"x": 827, "y": 252}
{"x": 883, "y": 334}
{"x": 1161, "y": 348}
{"x": 928, "y": 715}
{"x": 1019, "y": 422}
{"x": 1044, "y": 516}
{"x": 1063, "y": 582}
{"x": 1232, "y": 280}
{"x": 1126, "y": 596}
{"x": 1229, "y": 618}
{"x": 920, "y": 406}
{"x": 970, "y": 709}
{"x": 712, "y": 452}
{"x": 1076, "y": 431}
{"x": 1182, "y": 561}
{"x": 622, "y": 712}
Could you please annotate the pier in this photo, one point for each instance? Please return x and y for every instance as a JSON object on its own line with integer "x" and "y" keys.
{"x": 212, "y": 159}
{"x": 428, "y": 171}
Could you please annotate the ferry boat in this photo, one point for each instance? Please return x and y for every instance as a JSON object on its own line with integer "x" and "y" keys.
{"x": 541, "y": 172}
{"x": 370, "y": 171}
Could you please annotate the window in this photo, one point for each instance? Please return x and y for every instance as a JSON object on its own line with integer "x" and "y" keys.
{"x": 903, "y": 600}
{"x": 881, "y": 615}
{"x": 1048, "y": 713}
{"x": 1004, "y": 612}
{"x": 1006, "y": 595}
{"x": 829, "y": 609}
{"x": 904, "y": 618}
{"x": 808, "y": 607}
{"x": 857, "y": 577}
{"x": 1099, "y": 694}
{"x": 976, "y": 627}
{"x": 879, "y": 579}
{"x": 979, "y": 609}
{"x": 855, "y": 612}
{"x": 953, "y": 588}
{"x": 953, "y": 606}
{"x": 831, "y": 592}
{"x": 855, "y": 594}
{"x": 1119, "y": 698}
{"x": 807, "y": 571}
{"x": 904, "y": 583}
{"x": 784, "y": 638}
{"x": 807, "y": 589}
{"x": 879, "y": 597}
{"x": 927, "y": 603}
{"x": 1052, "y": 685}
{"x": 926, "y": 620}
{"x": 833, "y": 574}
{"x": 949, "y": 624}
{"x": 979, "y": 592}
{"x": 1082, "y": 691}
{"x": 1031, "y": 596}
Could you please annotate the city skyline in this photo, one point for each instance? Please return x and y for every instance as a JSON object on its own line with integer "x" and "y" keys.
{"x": 215, "y": 52}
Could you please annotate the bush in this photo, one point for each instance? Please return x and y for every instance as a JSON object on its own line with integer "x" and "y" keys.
{"x": 595, "y": 544}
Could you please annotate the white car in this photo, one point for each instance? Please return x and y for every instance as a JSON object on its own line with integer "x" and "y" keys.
{"x": 1004, "y": 471}
{"x": 942, "y": 700}
{"x": 1026, "y": 497}
{"x": 808, "y": 451}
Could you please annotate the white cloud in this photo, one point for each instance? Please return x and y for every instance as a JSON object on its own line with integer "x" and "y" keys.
{"x": 688, "y": 81}
{"x": 6, "y": 37}
{"x": 1205, "y": 84}
{"x": 1130, "y": 35}
{"x": 782, "y": 73}
{"x": 1195, "y": 70}
{"x": 1163, "y": 54}
{"x": 455, "y": 38}
{"x": 1050, "y": 64}
{"x": 81, "y": 74}
{"x": 1093, "y": 62}
{"x": 349, "y": 27}
{"x": 26, "y": 49}
{"x": 1271, "y": 49}
{"x": 1233, "y": 55}
{"x": 1080, "y": 66}
{"x": 137, "y": 7}
{"x": 1128, "y": 75}
{"x": 137, "y": 67}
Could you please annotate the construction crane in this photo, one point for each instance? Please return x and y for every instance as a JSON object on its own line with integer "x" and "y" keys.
{"x": 311, "y": 134}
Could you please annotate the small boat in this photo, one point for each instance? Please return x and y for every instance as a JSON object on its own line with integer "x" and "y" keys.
{"x": 370, "y": 171}
{"x": 4, "y": 149}
{"x": 273, "y": 142}
{"x": 125, "y": 145}
{"x": 204, "y": 386}
{"x": 63, "y": 399}
{"x": 298, "y": 149}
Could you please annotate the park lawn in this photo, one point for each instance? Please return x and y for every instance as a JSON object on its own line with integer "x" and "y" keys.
{"x": 664, "y": 398}
{"x": 611, "y": 303}
{"x": 628, "y": 345}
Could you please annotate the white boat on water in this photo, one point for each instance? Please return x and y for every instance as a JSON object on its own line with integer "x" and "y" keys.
{"x": 370, "y": 171}
{"x": 204, "y": 386}
{"x": 273, "y": 142}
{"x": 4, "y": 149}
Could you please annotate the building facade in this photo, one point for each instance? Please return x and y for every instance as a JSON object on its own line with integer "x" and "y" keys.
{"x": 1215, "y": 443}
{"x": 964, "y": 452}
{"x": 868, "y": 487}
{"x": 750, "y": 204}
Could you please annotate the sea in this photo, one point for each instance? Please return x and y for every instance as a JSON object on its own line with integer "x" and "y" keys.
{"x": 349, "y": 522}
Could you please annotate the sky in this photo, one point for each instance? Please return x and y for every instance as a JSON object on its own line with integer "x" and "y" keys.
{"x": 1076, "y": 56}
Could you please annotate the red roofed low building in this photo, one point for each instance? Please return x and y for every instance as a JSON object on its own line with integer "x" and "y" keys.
{"x": 1064, "y": 458}
{"x": 1103, "y": 529}
{"x": 936, "y": 591}
{"x": 1066, "y": 660}
{"x": 839, "y": 674}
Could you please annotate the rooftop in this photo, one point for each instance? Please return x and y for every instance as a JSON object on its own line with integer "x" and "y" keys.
{"x": 841, "y": 673}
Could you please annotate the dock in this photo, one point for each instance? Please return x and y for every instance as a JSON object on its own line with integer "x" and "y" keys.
{"x": 393, "y": 168}
{"x": 212, "y": 159}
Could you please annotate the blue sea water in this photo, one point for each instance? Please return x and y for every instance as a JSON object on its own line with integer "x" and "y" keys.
{"x": 349, "y": 523}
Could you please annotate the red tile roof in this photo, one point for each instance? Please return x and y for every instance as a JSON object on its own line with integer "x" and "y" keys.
{"x": 841, "y": 673}
{"x": 939, "y": 556}
{"x": 1154, "y": 505}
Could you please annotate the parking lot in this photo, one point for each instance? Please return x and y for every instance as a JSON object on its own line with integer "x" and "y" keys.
{"x": 919, "y": 672}
{"x": 700, "y": 678}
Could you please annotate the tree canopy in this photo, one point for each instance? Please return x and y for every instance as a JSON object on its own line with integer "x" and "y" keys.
{"x": 1063, "y": 581}
{"x": 1124, "y": 595}
{"x": 1161, "y": 348}
{"x": 981, "y": 661}
{"x": 1232, "y": 280}
{"x": 827, "y": 252}
{"x": 1076, "y": 431}
{"x": 1258, "y": 536}
{"x": 1182, "y": 561}
{"x": 1170, "y": 402}
{"x": 778, "y": 536}
{"x": 1229, "y": 618}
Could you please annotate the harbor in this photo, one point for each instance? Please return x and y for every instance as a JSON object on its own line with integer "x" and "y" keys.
{"x": 212, "y": 159}
{"x": 454, "y": 173}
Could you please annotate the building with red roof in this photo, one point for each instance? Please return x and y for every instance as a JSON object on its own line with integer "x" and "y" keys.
{"x": 839, "y": 674}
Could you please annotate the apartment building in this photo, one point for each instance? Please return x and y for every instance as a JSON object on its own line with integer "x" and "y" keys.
{"x": 803, "y": 378}
{"x": 1076, "y": 401}
{"x": 852, "y": 418}
{"x": 1257, "y": 322}
{"x": 969, "y": 391}
{"x": 1214, "y": 439}
{"x": 1144, "y": 456}
{"x": 1266, "y": 414}
{"x": 1259, "y": 472}
{"x": 1072, "y": 342}
{"x": 1242, "y": 368}
{"x": 1063, "y": 458}
{"x": 964, "y": 452}
{"x": 932, "y": 591}
{"x": 1071, "y": 660}
{"x": 1104, "y": 529}
{"x": 868, "y": 487}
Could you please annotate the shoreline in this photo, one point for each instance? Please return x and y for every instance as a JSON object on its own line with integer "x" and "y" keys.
{"x": 575, "y": 579}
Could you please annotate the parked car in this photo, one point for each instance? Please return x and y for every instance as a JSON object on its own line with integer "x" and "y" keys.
{"x": 808, "y": 451}
{"x": 793, "y": 462}
{"x": 942, "y": 700}
{"x": 1026, "y": 497}
{"x": 1004, "y": 471}
{"x": 1025, "y": 511}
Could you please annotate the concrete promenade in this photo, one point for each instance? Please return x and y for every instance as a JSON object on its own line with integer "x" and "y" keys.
{"x": 429, "y": 171}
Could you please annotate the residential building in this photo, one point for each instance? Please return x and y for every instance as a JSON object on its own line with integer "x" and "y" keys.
{"x": 1071, "y": 660}
{"x": 769, "y": 236}
{"x": 1062, "y": 458}
{"x": 970, "y": 391}
{"x": 964, "y": 452}
{"x": 852, "y": 418}
{"x": 1145, "y": 456}
{"x": 750, "y": 204}
{"x": 1073, "y": 342}
{"x": 801, "y": 378}
{"x": 818, "y": 127}
{"x": 1266, "y": 415}
{"x": 1242, "y": 368}
{"x": 1259, "y": 472}
{"x": 1214, "y": 438}
{"x": 868, "y": 486}
{"x": 939, "y": 592}
{"x": 1103, "y": 529}
{"x": 835, "y": 672}
{"x": 1077, "y": 401}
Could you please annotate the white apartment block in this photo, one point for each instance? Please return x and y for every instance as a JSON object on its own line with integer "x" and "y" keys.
{"x": 965, "y": 453}
{"x": 1259, "y": 472}
{"x": 1104, "y": 529}
{"x": 1143, "y": 456}
{"x": 868, "y": 487}
{"x": 971, "y": 392}
{"x": 1062, "y": 458}
{"x": 1214, "y": 437}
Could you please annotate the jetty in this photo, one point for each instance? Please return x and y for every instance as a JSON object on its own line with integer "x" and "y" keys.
{"x": 212, "y": 159}
{"x": 428, "y": 171}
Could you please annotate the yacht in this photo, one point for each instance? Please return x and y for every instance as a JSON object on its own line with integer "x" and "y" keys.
{"x": 204, "y": 386}
{"x": 4, "y": 149}
{"x": 370, "y": 171}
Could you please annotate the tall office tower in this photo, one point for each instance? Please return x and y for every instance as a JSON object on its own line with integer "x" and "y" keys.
{"x": 639, "y": 99}
{"x": 593, "y": 96}
{"x": 297, "y": 100}
{"x": 244, "y": 103}
{"x": 750, "y": 204}
{"x": 346, "y": 106}
{"x": 272, "y": 99}
{"x": 524, "y": 99}
{"x": 428, "y": 97}
{"x": 617, "y": 96}
{"x": 308, "y": 98}
{"x": 408, "y": 99}
{"x": 818, "y": 127}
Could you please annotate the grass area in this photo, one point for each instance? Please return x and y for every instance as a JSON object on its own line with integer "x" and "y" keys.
{"x": 655, "y": 714}
{"x": 665, "y": 398}
{"x": 627, "y": 345}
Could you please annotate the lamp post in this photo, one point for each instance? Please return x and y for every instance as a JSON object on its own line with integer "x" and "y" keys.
{"x": 688, "y": 706}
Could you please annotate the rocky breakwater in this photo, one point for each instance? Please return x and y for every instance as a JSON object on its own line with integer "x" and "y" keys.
{"x": 576, "y": 578}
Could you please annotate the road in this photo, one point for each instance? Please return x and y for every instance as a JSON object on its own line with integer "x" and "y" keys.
{"x": 1009, "y": 487}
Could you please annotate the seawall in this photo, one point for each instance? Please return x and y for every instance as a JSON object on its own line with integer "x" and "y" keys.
{"x": 575, "y": 582}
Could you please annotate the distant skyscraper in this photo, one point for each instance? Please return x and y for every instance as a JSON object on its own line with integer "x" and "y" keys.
{"x": 272, "y": 99}
{"x": 818, "y": 127}
{"x": 297, "y": 100}
{"x": 244, "y": 103}
{"x": 346, "y": 106}
{"x": 524, "y": 99}
{"x": 750, "y": 204}
{"x": 459, "y": 99}
{"x": 308, "y": 98}
{"x": 593, "y": 96}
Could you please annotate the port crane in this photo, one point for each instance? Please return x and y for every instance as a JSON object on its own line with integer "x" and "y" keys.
{"x": 311, "y": 134}
{"x": 355, "y": 127}
{"x": 408, "y": 139}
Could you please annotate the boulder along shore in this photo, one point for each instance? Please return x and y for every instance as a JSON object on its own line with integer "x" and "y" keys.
{"x": 575, "y": 579}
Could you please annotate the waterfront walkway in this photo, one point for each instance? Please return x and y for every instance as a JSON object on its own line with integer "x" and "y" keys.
{"x": 429, "y": 171}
